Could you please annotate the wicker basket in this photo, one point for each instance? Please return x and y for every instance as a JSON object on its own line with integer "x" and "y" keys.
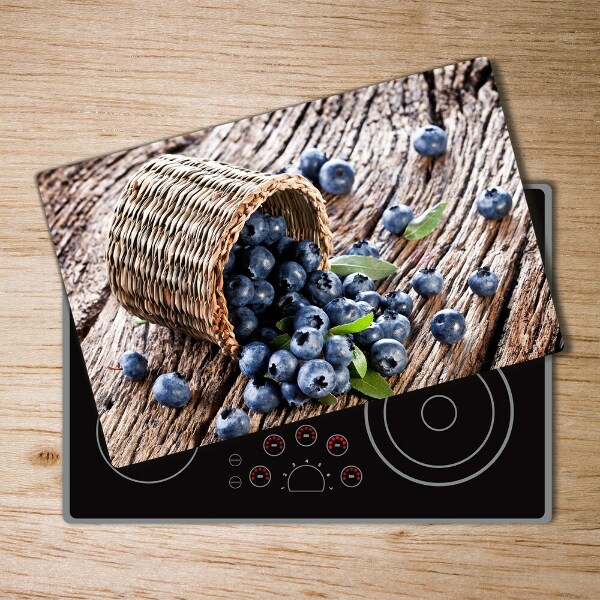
{"x": 173, "y": 229}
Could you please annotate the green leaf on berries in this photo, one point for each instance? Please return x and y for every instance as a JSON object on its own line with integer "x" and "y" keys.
{"x": 328, "y": 400}
{"x": 353, "y": 327}
{"x": 281, "y": 342}
{"x": 138, "y": 321}
{"x": 358, "y": 365}
{"x": 375, "y": 268}
{"x": 424, "y": 224}
{"x": 286, "y": 325}
{"x": 372, "y": 385}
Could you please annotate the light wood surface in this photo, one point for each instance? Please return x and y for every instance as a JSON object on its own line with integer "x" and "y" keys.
{"x": 81, "y": 79}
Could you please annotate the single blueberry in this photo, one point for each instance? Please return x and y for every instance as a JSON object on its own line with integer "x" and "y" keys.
{"x": 316, "y": 378}
{"x": 244, "y": 323}
{"x": 365, "y": 307}
{"x": 371, "y": 297}
{"x": 367, "y": 337}
{"x": 290, "y": 276}
{"x": 306, "y": 343}
{"x": 255, "y": 230}
{"x": 308, "y": 254}
{"x": 427, "y": 282}
{"x": 283, "y": 366}
{"x": 311, "y": 161}
{"x": 266, "y": 334}
{"x": 396, "y": 218}
{"x": 323, "y": 287}
{"x": 276, "y": 225}
{"x": 338, "y": 350}
{"x": 254, "y": 359}
{"x": 261, "y": 395}
{"x": 312, "y": 316}
{"x": 336, "y": 176}
{"x": 356, "y": 283}
{"x": 285, "y": 249}
{"x": 238, "y": 290}
{"x": 293, "y": 394}
{"x": 394, "y": 325}
{"x": 430, "y": 140}
{"x": 232, "y": 423}
{"x": 342, "y": 381}
{"x": 264, "y": 294}
{"x": 289, "y": 304}
{"x": 397, "y": 301}
{"x": 483, "y": 282}
{"x": 133, "y": 364}
{"x": 256, "y": 262}
{"x": 172, "y": 390}
{"x": 448, "y": 326}
{"x": 363, "y": 248}
{"x": 387, "y": 357}
{"x": 342, "y": 310}
{"x": 230, "y": 262}
{"x": 494, "y": 203}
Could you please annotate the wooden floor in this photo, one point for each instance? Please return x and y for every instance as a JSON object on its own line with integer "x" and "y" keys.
{"x": 83, "y": 79}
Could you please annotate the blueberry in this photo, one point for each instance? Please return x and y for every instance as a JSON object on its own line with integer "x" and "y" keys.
{"x": 387, "y": 357}
{"x": 238, "y": 290}
{"x": 342, "y": 381}
{"x": 255, "y": 230}
{"x": 371, "y": 297}
{"x": 427, "y": 282}
{"x": 356, "y": 283}
{"x": 264, "y": 294}
{"x": 286, "y": 248}
{"x": 316, "y": 378}
{"x": 363, "y": 248}
{"x": 494, "y": 203}
{"x": 293, "y": 394}
{"x": 308, "y": 254}
{"x": 261, "y": 395}
{"x": 266, "y": 334}
{"x": 276, "y": 226}
{"x": 394, "y": 325}
{"x": 365, "y": 308}
{"x": 336, "y": 176}
{"x": 244, "y": 323}
{"x": 342, "y": 310}
{"x": 448, "y": 326}
{"x": 172, "y": 390}
{"x": 306, "y": 343}
{"x": 483, "y": 282}
{"x": 311, "y": 161}
{"x": 397, "y": 301}
{"x": 338, "y": 350}
{"x": 254, "y": 359}
{"x": 323, "y": 286}
{"x": 256, "y": 262}
{"x": 290, "y": 276}
{"x": 230, "y": 262}
{"x": 312, "y": 316}
{"x": 396, "y": 218}
{"x": 367, "y": 337}
{"x": 289, "y": 304}
{"x": 430, "y": 140}
{"x": 283, "y": 366}
{"x": 232, "y": 423}
{"x": 133, "y": 364}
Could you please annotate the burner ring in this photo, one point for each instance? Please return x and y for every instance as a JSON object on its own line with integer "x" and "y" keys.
{"x": 439, "y": 428}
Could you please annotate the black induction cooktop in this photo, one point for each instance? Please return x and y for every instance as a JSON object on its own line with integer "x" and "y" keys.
{"x": 475, "y": 449}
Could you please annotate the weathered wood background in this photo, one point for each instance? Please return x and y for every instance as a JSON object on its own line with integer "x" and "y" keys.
{"x": 371, "y": 127}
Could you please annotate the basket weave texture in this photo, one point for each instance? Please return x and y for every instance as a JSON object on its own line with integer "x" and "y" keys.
{"x": 174, "y": 226}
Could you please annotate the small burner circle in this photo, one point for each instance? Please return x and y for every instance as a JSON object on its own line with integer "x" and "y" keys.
{"x": 441, "y": 410}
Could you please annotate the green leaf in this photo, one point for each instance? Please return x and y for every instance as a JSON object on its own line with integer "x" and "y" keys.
{"x": 328, "y": 400}
{"x": 286, "y": 324}
{"x": 424, "y": 224}
{"x": 353, "y": 327}
{"x": 372, "y": 385}
{"x": 375, "y": 268}
{"x": 138, "y": 321}
{"x": 359, "y": 362}
{"x": 281, "y": 342}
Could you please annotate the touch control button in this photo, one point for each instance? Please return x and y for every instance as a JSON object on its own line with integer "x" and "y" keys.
{"x": 260, "y": 476}
{"x": 274, "y": 445}
{"x": 235, "y": 482}
{"x": 235, "y": 460}
{"x": 351, "y": 476}
{"x": 337, "y": 445}
{"x": 306, "y": 435}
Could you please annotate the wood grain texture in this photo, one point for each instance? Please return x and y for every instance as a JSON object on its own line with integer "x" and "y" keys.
{"x": 81, "y": 79}
{"x": 371, "y": 127}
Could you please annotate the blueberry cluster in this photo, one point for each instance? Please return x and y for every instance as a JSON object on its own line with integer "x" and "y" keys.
{"x": 334, "y": 176}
